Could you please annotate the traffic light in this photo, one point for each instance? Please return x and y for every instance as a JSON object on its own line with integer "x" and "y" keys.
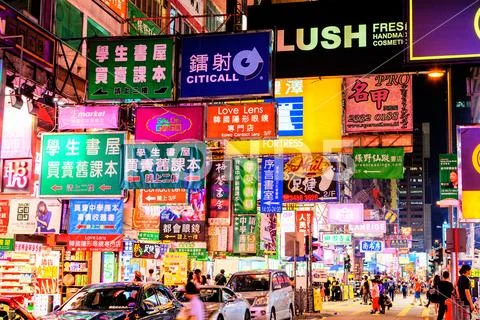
{"x": 347, "y": 265}
{"x": 438, "y": 258}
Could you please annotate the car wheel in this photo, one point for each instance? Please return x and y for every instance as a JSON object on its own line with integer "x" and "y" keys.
{"x": 273, "y": 316}
{"x": 247, "y": 315}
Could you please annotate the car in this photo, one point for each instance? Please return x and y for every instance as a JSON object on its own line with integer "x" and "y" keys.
{"x": 269, "y": 293}
{"x": 221, "y": 303}
{"x": 119, "y": 300}
{"x": 11, "y": 308}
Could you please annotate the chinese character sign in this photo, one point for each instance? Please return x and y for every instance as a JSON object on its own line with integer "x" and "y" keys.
{"x": 157, "y": 166}
{"x": 142, "y": 27}
{"x": 96, "y": 216}
{"x": 378, "y": 163}
{"x": 30, "y": 216}
{"x": 174, "y": 268}
{"x": 271, "y": 185}
{"x": 118, "y": 6}
{"x": 378, "y": 103}
{"x": 4, "y": 214}
{"x": 17, "y": 175}
{"x": 182, "y": 231}
{"x": 303, "y": 222}
{"x": 371, "y": 246}
{"x": 252, "y": 121}
{"x": 130, "y": 68}
{"x": 220, "y": 192}
{"x": 468, "y": 146}
{"x": 7, "y": 244}
{"x": 149, "y": 250}
{"x": 98, "y": 243}
{"x": 82, "y": 164}
{"x": 226, "y": 65}
{"x": 337, "y": 239}
{"x": 88, "y": 117}
{"x": 310, "y": 178}
{"x": 244, "y": 233}
{"x": 345, "y": 213}
{"x": 245, "y": 179}
{"x": 448, "y": 176}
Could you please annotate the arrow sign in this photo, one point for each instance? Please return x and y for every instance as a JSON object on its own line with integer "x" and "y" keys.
{"x": 104, "y": 187}
{"x": 56, "y": 188}
{"x": 163, "y": 196}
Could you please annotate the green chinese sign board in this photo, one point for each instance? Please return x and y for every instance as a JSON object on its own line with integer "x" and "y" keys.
{"x": 7, "y": 244}
{"x": 378, "y": 163}
{"x": 165, "y": 166}
{"x": 130, "y": 68}
{"x": 82, "y": 164}
{"x": 198, "y": 254}
{"x": 244, "y": 233}
{"x": 337, "y": 239}
{"x": 141, "y": 27}
{"x": 448, "y": 176}
{"x": 149, "y": 236}
{"x": 245, "y": 174}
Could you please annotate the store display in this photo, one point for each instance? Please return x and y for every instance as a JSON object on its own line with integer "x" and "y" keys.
{"x": 75, "y": 272}
{"x": 17, "y": 274}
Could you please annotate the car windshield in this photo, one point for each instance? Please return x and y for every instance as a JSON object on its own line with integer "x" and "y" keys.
{"x": 103, "y": 299}
{"x": 250, "y": 282}
{"x": 210, "y": 294}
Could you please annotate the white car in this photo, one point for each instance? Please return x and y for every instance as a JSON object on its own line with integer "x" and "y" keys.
{"x": 269, "y": 293}
{"x": 221, "y": 303}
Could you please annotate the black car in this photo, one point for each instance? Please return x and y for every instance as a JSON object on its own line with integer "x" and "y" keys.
{"x": 119, "y": 300}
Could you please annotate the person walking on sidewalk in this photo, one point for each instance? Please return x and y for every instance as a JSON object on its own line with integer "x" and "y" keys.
{"x": 417, "y": 288}
{"x": 366, "y": 291}
{"x": 464, "y": 290}
{"x": 375, "y": 293}
{"x": 445, "y": 289}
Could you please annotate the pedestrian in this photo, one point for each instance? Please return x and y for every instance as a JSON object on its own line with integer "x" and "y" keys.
{"x": 366, "y": 291}
{"x": 417, "y": 288}
{"x": 445, "y": 290}
{"x": 204, "y": 280}
{"x": 404, "y": 289}
{"x": 197, "y": 277}
{"x": 137, "y": 276}
{"x": 209, "y": 279}
{"x": 195, "y": 310}
{"x": 375, "y": 294}
{"x": 150, "y": 276}
{"x": 391, "y": 289}
{"x": 431, "y": 293}
{"x": 190, "y": 276}
{"x": 328, "y": 284}
{"x": 220, "y": 279}
{"x": 464, "y": 292}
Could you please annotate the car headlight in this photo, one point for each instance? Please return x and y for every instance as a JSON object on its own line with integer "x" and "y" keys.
{"x": 261, "y": 301}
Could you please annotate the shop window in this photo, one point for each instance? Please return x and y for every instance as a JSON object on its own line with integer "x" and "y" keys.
{"x": 69, "y": 23}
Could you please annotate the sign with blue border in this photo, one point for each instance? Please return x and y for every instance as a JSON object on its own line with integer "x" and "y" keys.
{"x": 226, "y": 65}
{"x": 271, "y": 185}
{"x": 371, "y": 246}
{"x": 96, "y": 216}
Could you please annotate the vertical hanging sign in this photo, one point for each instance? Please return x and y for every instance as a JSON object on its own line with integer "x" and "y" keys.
{"x": 271, "y": 185}
{"x": 244, "y": 233}
{"x": 220, "y": 193}
{"x": 245, "y": 186}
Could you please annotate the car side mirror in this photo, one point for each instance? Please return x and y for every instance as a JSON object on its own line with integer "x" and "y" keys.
{"x": 57, "y": 307}
{"x": 231, "y": 299}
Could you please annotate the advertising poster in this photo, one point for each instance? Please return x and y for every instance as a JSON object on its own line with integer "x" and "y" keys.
{"x": 218, "y": 238}
{"x": 174, "y": 269}
{"x": 378, "y": 163}
{"x": 226, "y": 65}
{"x": 468, "y": 145}
{"x": 88, "y": 117}
{"x": 4, "y": 216}
{"x": 95, "y": 242}
{"x": 30, "y": 216}
{"x": 149, "y": 250}
{"x": 146, "y": 217}
{"x": 96, "y": 216}
{"x": 17, "y": 176}
{"x": 448, "y": 176}
{"x": 170, "y": 166}
{"x": 345, "y": 213}
{"x": 303, "y": 222}
{"x": 310, "y": 178}
{"x": 245, "y": 186}
{"x": 129, "y": 68}
{"x": 220, "y": 192}
{"x": 271, "y": 185}
{"x": 82, "y": 164}
{"x": 249, "y": 121}
{"x": 244, "y": 233}
{"x": 172, "y": 124}
{"x": 378, "y": 103}
{"x": 287, "y": 223}
{"x": 268, "y": 233}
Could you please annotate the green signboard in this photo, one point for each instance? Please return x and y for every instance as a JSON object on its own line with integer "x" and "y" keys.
{"x": 378, "y": 163}
{"x": 149, "y": 235}
{"x": 337, "y": 239}
{"x": 448, "y": 176}
{"x": 7, "y": 244}
{"x": 141, "y": 27}
{"x": 82, "y": 164}
{"x": 245, "y": 233}
{"x": 245, "y": 173}
{"x": 198, "y": 254}
{"x": 165, "y": 166}
{"x": 130, "y": 68}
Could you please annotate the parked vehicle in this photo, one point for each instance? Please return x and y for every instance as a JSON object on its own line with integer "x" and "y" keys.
{"x": 269, "y": 293}
{"x": 221, "y": 303}
{"x": 119, "y": 300}
{"x": 11, "y": 308}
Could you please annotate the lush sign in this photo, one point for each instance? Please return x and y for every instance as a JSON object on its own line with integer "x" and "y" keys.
{"x": 378, "y": 163}
{"x": 448, "y": 176}
{"x": 130, "y": 68}
{"x": 82, "y": 164}
{"x": 157, "y": 166}
{"x": 226, "y": 65}
{"x": 245, "y": 179}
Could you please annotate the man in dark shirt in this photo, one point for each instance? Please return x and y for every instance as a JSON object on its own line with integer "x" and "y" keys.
{"x": 464, "y": 291}
{"x": 220, "y": 279}
{"x": 445, "y": 289}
